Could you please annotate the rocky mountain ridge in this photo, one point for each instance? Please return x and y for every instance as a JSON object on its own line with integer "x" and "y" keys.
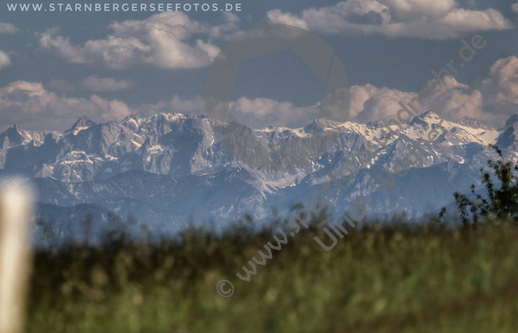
{"x": 168, "y": 168}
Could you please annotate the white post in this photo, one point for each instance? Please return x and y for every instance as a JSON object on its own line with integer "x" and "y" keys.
{"x": 15, "y": 212}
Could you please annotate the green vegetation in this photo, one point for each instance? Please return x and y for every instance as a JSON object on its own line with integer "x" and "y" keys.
{"x": 382, "y": 278}
{"x": 387, "y": 276}
{"x": 496, "y": 203}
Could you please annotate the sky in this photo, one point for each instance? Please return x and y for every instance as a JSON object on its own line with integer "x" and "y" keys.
{"x": 58, "y": 65}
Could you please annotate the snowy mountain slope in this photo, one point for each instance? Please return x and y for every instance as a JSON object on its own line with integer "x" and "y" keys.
{"x": 168, "y": 167}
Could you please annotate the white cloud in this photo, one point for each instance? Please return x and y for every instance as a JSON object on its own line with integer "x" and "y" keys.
{"x": 276, "y": 16}
{"x": 456, "y": 101}
{"x": 514, "y": 7}
{"x": 4, "y": 60}
{"x": 453, "y": 101}
{"x": 440, "y": 19}
{"x": 31, "y": 106}
{"x": 6, "y": 28}
{"x": 370, "y": 103}
{"x": 502, "y": 81}
{"x": 500, "y": 90}
{"x": 95, "y": 83}
{"x": 228, "y": 29}
{"x": 492, "y": 101}
{"x": 262, "y": 112}
{"x": 194, "y": 106}
{"x": 164, "y": 40}
{"x": 255, "y": 113}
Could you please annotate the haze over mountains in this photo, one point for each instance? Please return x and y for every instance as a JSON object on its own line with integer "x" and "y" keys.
{"x": 167, "y": 169}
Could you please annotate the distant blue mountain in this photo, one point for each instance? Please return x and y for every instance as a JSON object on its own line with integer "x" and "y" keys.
{"x": 167, "y": 169}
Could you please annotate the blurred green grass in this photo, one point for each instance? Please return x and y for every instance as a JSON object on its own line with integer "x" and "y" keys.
{"x": 380, "y": 278}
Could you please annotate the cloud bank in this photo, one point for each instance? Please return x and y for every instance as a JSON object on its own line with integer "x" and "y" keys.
{"x": 440, "y": 19}
{"x": 492, "y": 101}
{"x": 164, "y": 40}
{"x": 28, "y": 104}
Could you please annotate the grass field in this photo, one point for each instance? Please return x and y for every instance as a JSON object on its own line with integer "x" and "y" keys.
{"x": 382, "y": 278}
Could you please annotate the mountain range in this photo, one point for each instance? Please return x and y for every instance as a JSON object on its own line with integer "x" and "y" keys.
{"x": 168, "y": 169}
